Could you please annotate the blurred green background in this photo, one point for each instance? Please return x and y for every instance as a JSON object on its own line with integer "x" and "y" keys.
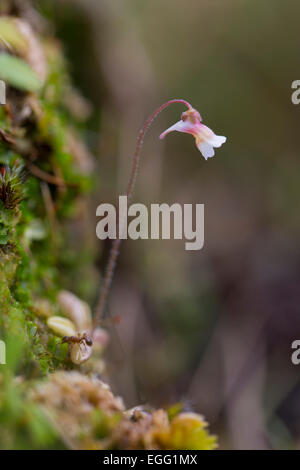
{"x": 213, "y": 328}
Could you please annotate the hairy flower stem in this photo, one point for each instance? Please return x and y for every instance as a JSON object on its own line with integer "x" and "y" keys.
{"x": 111, "y": 264}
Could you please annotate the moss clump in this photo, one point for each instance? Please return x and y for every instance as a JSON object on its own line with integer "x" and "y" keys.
{"x": 41, "y": 186}
{"x": 89, "y": 416}
{"x": 11, "y": 193}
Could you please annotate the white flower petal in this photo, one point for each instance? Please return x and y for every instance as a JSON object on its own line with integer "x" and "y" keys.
{"x": 180, "y": 126}
{"x": 217, "y": 140}
{"x": 209, "y": 136}
{"x": 206, "y": 149}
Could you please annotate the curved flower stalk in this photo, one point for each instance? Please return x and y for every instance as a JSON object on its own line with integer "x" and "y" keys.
{"x": 206, "y": 140}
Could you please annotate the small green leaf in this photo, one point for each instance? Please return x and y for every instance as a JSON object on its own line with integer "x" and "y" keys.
{"x": 18, "y": 73}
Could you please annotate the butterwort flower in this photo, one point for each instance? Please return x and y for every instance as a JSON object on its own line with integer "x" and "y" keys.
{"x": 205, "y": 138}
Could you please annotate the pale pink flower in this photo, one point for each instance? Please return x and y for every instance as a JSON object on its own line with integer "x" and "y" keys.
{"x": 205, "y": 138}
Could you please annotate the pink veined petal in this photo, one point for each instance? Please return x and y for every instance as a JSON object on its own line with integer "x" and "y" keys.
{"x": 180, "y": 126}
{"x": 206, "y": 149}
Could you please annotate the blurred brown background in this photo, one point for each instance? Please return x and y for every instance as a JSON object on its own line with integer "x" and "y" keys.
{"x": 213, "y": 328}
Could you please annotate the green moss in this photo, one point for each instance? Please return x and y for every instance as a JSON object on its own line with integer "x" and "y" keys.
{"x": 32, "y": 250}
